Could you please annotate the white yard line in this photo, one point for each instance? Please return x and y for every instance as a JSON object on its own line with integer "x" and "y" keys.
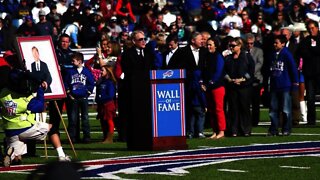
{"x": 231, "y": 170}
{"x": 294, "y": 167}
{"x": 103, "y": 153}
{"x": 294, "y": 134}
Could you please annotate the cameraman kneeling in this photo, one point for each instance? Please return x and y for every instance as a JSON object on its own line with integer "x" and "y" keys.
{"x": 19, "y": 106}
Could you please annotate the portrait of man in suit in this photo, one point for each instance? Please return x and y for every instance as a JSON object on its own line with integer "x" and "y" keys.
{"x": 40, "y": 69}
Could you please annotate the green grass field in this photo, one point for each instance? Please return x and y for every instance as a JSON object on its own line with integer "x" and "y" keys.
{"x": 275, "y": 168}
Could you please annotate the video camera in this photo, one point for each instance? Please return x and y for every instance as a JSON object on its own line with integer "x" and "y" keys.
{"x": 23, "y": 81}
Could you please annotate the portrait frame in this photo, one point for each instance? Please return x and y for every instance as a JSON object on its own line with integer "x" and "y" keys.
{"x": 47, "y": 54}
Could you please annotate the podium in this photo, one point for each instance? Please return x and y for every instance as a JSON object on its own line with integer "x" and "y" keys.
{"x": 168, "y": 109}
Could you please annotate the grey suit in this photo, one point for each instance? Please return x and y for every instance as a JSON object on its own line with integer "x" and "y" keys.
{"x": 257, "y": 55}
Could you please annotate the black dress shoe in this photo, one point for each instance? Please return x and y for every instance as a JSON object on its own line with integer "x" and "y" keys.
{"x": 86, "y": 140}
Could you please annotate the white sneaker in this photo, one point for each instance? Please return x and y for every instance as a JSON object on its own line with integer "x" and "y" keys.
{"x": 7, "y": 157}
{"x": 65, "y": 158}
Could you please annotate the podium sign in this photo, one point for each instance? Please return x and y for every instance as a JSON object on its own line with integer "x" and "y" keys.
{"x": 168, "y": 109}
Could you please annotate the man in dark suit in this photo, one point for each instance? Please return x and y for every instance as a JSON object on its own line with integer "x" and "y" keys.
{"x": 292, "y": 46}
{"x": 170, "y": 57}
{"x": 40, "y": 69}
{"x": 257, "y": 56}
{"x": 191, "y": 58}
{"x": 136, "y": 63}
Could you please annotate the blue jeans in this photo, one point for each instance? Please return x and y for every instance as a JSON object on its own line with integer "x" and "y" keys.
{"x": 197, "y": 120}
{"x": 74, "y": 105}
{"x": 280, "y": 102}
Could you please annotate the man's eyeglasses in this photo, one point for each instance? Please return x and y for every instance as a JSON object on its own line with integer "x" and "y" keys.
{"x": 244, "y": 14}
{"x": 251, "y": 43}
{"x": 141, "y": 39}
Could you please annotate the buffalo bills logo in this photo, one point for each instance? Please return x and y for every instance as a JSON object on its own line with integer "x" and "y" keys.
{"x": 11, "y": 107}
{"x": 167, "y": 74}
{"x": 177, "y": 163}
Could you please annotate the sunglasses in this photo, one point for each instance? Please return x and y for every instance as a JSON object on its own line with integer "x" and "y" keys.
{"x": 141, "y": 39}
{"x": 232, "y": 45}
{"x": 244, "y": 14}
{"x": 250, "y": 43}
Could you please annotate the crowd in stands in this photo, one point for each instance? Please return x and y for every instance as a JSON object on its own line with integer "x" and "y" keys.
{"x": 240, "y": 48}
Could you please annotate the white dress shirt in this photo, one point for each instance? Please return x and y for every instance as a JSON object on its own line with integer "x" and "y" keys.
{"x": 195, "y": 53}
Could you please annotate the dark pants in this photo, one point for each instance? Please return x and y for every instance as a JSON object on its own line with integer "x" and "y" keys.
{"x": 74, "y": 105}
{"x": 255, "y": 104}
{"x": 312, "y": 85}
{"x": 55, "y": 118}
{"x": 239, "y": 110}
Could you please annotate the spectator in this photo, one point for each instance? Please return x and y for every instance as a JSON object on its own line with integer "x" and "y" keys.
{"x": 296, "y": 14}
{"x": 63, "y": 54}
{"x": 22, "y": 11}
{"x": 257, "y": 56}
{"x": 62, "y": 6}
{"x": 231, "y": 21}
{"x": 283, "y": 79}
{"x": 126, "y": 26}
{"x": 260, "y": 29}
{"x": 28, "y": 28}
{"x": 113, "y": 28}
{"x": 191, "y": 58}
{"x": 106, "y": 92}
{"x": 192, "y": 9}
{"x": 253, "y": 10}
{"x": 148, "y": 22}
{"x": 44, "y": 27}
{"x": 107, "y": 8}
{"x": 9, "y": 33}
{"x": 170, "y": 60}
{"x": 295, "y": 100}
{"x": 280, "y": 21}
{"x": 309, "y": 49}
{"x": 168, "y": 18}
{"x": 40, "y": 5}
{"x": 246, "y": 21}
{"x": 161, "y": 26}
{"x": 220, "y": 10}
{"x": 53, "y": 13}
{"x": 136, "y": 63}
{"x": 89, "y": 34}
{"x": 215, "y": 90}
{"x": 207, "y": 12}
{"x": 268, "y": 10}
{"x": 70, "y": 16}
{"x": 123, "y": 9}
{"x": 79, "y": 5}
{"x": 73, "y": 30}
{"x": 198, "y": 102}
{"x": 239, "y": 69}
{"x": 79, "y": 84}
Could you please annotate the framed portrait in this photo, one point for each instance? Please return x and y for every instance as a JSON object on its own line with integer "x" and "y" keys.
{"x": 40, "y": 59}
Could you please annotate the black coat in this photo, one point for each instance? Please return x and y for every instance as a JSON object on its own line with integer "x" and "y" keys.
{"x": 136, "y": 93}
